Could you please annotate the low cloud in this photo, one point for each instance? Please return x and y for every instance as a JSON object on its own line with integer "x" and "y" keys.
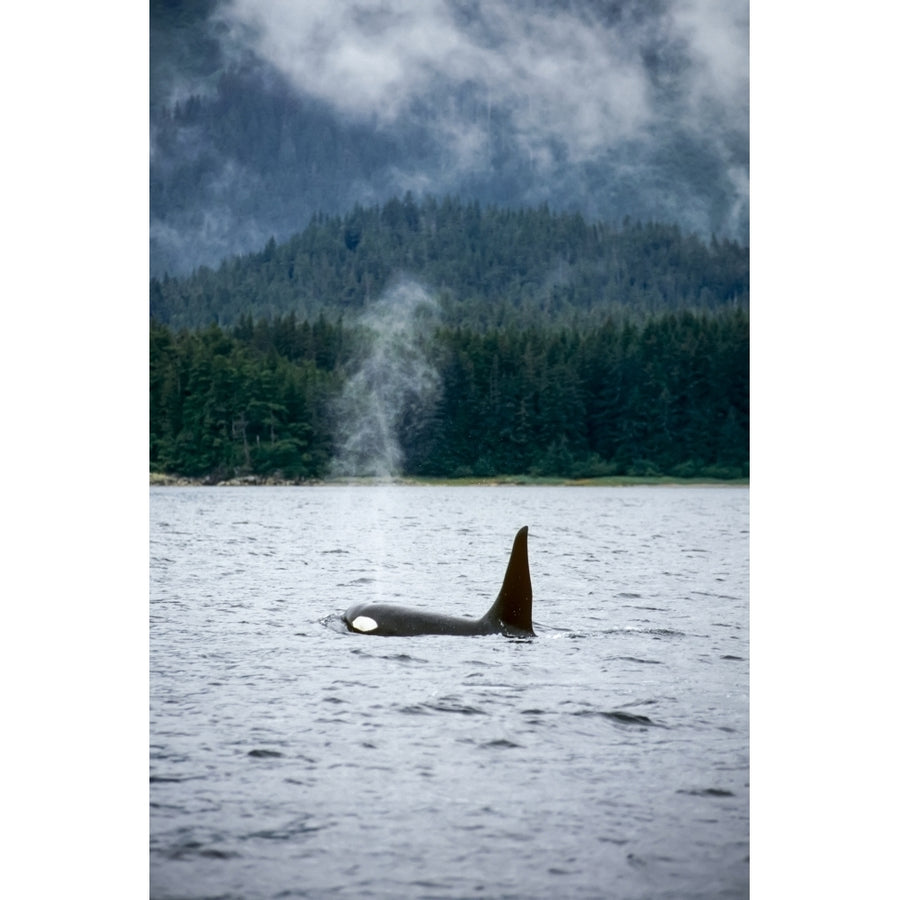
{"x": 578, "y": 76}
{"x": 612, "y": 108}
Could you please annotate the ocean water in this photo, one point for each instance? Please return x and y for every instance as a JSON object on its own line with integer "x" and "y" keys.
{"x": 608, "y": 757}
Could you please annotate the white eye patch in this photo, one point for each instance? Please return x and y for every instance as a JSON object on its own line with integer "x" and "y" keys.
{"x": 364, "y": 623}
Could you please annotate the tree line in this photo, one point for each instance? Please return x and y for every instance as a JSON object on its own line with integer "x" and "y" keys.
{"x": 490, "y": 267}
{"x": 664, "y": 393}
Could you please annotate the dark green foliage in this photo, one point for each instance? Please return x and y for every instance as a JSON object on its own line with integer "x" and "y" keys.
{"x": 612, "y": 399}
{"x": 490, "y": 267}
{"x": 664, "y": 395}
{"x": 233, "y": 402}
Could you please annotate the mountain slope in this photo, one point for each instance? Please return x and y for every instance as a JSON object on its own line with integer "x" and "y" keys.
{"x": 488, "y": 267}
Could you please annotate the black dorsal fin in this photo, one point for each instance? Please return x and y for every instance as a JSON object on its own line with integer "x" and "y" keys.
{"x": 512, "y": 608}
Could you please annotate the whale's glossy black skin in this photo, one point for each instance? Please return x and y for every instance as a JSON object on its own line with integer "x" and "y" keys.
{"x": 510, "y": 613}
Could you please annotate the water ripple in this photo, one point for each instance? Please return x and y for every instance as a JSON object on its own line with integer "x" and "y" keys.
{"x": 291, "y": 759}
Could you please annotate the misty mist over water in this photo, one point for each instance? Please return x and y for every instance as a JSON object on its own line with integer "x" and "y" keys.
{"x": 394, "y": 379}
{"x": 265, "y": 112}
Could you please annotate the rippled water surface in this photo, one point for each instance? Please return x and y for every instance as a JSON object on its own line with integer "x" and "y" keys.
{"x": 605, "y": 758}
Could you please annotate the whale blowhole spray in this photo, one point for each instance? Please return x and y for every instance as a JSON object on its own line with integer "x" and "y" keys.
{"x": 394, "y": 379}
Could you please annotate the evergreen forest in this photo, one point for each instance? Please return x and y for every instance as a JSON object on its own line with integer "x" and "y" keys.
{"x": 490, "y": 267}
{"x": 552, "y": 347}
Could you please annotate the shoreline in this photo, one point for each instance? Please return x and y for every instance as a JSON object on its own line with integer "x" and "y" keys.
{"x": 162, "y": 480}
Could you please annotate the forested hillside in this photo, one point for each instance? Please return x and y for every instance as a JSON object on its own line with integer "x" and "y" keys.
{"x": 489, "y": 267}
{"x": 668, "y": 394}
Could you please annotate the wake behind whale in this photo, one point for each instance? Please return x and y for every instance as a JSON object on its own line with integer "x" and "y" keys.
{"x": 510, "y": 613}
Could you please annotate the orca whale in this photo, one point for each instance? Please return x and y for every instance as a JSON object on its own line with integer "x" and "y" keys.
{"x": 510, "y": 613}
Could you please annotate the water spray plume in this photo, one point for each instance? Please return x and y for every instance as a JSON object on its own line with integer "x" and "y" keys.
{"x": 394, "y": 379}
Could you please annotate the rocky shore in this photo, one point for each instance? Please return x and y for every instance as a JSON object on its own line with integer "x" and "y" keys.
{"x": 158, "y": 479}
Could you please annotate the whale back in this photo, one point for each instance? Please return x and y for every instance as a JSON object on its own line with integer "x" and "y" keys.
{"x": 510, "y": 613}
